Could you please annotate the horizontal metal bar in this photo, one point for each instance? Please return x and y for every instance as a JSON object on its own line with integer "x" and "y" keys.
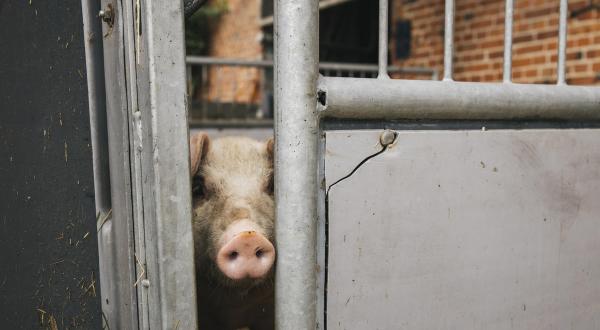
{"x": 203, "y": 60}
{"x": 230, "y": 123}
{"x": 206, "y": 60}
{"x": 422, "y": 99}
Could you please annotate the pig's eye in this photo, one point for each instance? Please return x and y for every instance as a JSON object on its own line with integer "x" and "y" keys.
{"x": 270, "y": 184}
{"x": 198, "y": 187}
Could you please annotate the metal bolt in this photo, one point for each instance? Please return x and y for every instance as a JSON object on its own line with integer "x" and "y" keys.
{"x": 145, "y": 283}
{"x": 387, "y": 137}
{"x": 107, "y": 15}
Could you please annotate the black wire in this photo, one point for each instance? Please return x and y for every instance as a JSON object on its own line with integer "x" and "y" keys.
{"x": 354, "y": 170}
{"x": 326, "y": 280}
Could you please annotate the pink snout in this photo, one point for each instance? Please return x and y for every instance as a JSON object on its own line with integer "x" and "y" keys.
{"x": 248, "y": 254}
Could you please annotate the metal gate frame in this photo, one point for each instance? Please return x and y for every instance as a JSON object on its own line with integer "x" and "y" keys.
{"x": 136, "y": 73}
{"x": 145, "y": 238}
{"x": 303, "y": 99}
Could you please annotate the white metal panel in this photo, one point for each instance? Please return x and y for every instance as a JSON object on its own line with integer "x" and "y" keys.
{"x": 465, "y": 230}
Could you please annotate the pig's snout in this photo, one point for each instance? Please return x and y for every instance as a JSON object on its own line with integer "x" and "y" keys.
{"x": 245, "y": 253}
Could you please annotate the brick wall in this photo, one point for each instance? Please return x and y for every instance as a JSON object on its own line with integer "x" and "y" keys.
{"x": 479, "y": 39}
{"x": 236, "y": 35}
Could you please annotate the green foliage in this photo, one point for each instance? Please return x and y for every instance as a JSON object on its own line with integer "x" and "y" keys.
{"x": 198, "y": 28}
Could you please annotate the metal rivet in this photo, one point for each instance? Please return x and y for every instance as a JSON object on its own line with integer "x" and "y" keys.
{"x": 387, "y": 137}
{"x": 145, "y": 283}
{"x": 107, "y": 15}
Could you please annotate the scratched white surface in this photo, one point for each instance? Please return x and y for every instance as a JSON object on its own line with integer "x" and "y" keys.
{"x": 465, "y": 230}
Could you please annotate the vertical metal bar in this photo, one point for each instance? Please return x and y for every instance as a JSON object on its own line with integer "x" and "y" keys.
{"x": 248, "y": 101}
{"x": 262, "y": 103}
{"x": 383, "y": 40}
{"x": 562, "y": 42}
{"x": 116, "y": 227}
{"x": 99, "y": 140}
{"x": 161, "y": 138}
{"x": 217, "y": 86}
{"x": 296, "y": 137}
{"x": 236, "y": 71}
{"x": 142, "y": 250}
{"x": 97, "y": 103}
{"x": 449, "y": 40}
{"x": 508, "y": 28}
{"x": 204, "y": 92}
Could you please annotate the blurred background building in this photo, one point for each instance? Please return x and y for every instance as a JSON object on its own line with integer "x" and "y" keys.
{"x": 231, "y": 80}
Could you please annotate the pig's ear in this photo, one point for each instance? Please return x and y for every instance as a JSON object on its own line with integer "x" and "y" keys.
{"x": 270, "y": 146}
{"x": 199, "y": 144}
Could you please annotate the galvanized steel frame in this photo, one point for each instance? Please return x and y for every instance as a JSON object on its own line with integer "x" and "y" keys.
{"x": 302, "y": 99}
{"x": 296, "y": 143}
{"x": 333, "y": 66}
{"x": 163, "y": 152}
{"x": 147, "y": 266}
{"x": 147, "y": 143}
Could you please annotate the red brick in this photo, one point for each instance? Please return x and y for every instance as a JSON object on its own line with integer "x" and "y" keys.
{"x": 528, "y": 49}
{"x": 540, "y": 12}
{"x": 581, "y": 67}
{"x": 539, "y": 60}
{"x": 523, "y": 38}
{"x": 531, "y": 73}
{"x": 521, "y": 62}
{"x": 479, "y": 39}
{"x": 549, "y": 72}
{"x": 584, "y": 41}
{"x": 497, "y": 54}
{"x": 491, "y": 43}
{"x": 481, "y": 24}
{"x": 582, "y": 81}
{"x": 477, "y": 67}
{"x": 546, "y": 34}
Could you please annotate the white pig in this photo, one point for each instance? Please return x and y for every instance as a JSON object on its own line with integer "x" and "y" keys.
{"x": 233, "y": 224}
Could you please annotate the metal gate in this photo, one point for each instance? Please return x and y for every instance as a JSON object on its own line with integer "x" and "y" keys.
{"x": 308, "y": 229}
{"x": 136, "y": 72}
{"x": 145, "y": 240}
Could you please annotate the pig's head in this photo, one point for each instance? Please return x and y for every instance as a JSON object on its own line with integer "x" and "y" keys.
{"x": 233, "y": 216}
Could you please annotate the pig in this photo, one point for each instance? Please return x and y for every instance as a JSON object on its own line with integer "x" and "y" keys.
{"x": 233, "y": 229}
